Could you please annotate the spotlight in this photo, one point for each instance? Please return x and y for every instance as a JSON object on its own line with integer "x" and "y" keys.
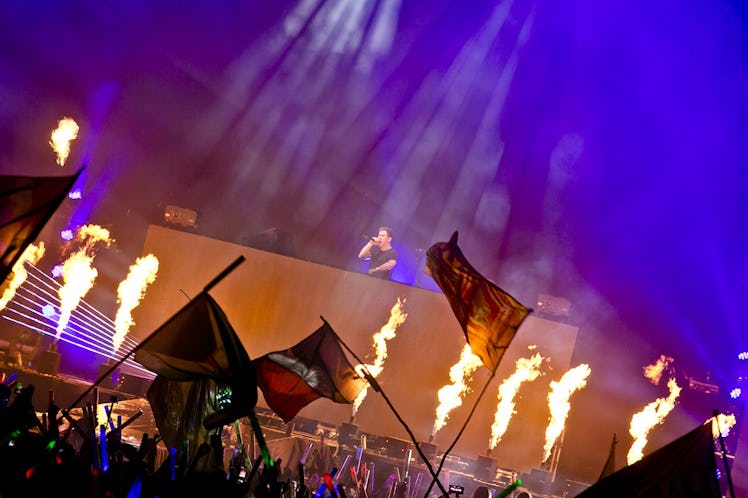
{"x": 743, "y": 355}
{"x": 57, "y": 271}
{"x": 48, "y": 310}
{"x": 735, "y": 393}
{"x": 66, "y": 234}
{"x": 75, "y": 194}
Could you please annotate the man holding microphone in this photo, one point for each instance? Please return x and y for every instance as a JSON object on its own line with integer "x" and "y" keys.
{"x": 383, "y": 257}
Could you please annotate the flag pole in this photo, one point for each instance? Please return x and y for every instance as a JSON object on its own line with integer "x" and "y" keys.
{"x": 257, "y": 430}
{"x": 462, "y": 429}
{"x": 145, "y": 341}
{"x": 375, "y": 385}
{"x": 724, "y": 454}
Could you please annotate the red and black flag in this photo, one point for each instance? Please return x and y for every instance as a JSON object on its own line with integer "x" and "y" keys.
{"x": 488, "y": 315}
{"x": 315, "y": 367}
{"x": 26, "y": 204}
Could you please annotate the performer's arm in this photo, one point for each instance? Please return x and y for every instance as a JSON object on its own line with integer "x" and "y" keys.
{"x": 387, "y": 265}
{"x": 365, "y": 251}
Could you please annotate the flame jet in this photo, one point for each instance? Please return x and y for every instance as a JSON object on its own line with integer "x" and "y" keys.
{"x": 558, "y": 403}
{"x": 78, "y": 274}
{"x": 32, "y": 254}
{"x": 643, "y": 422}
{"x": 129, "y": 294}
{"x": 387, "y": 332}
{"x": 66, "y": 132}
{"x": 654, "y": 372}
{"x": 450, "y": 396}
{"x": 723, "y": 422}
{"x": 527, "y": 370}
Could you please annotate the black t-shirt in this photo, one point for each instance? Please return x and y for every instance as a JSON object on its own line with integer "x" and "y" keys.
{"x": 380, "y": 257}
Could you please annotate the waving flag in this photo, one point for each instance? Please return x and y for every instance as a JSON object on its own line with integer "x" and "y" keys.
{"x": 26, "y": 204}
{"x": 684, "y": 468}
{"x": 199, "y": 343}
{"x": 315, "y": 367}
{"x": 488, "y": 315}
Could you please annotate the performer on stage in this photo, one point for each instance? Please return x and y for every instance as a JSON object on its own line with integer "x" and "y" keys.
{"x": 383, "y": 255}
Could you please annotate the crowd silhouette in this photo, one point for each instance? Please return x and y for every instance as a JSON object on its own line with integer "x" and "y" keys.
{"x": 56, "y": 454}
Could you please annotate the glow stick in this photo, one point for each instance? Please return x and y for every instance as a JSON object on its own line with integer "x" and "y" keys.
{"x": 321, "y": 490}
{"x": 305, "y": 455}
{"x": 108, "y": 412}
{"x": 342, "y": 467}
{"x": 359, "y": 452}
{"x": 102, "y": 444}
{"x": 511, "y": 488}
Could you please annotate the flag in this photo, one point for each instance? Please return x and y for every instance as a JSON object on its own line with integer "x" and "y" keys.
{"x": 610, "y": 463}
{"x": 199, "y": 343}
{"x": 179, "y": 408}
{"x": 685, "y": 468}
{"x": 26, "y": 204}
{"x": 488, "y": 315}
{"x": 315, "y": 367}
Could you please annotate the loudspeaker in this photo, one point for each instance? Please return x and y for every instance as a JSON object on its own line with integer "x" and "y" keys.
{"x": 396, "y": 448}
{"x": 429, "y": 450}
{"x": 539, "y": 481}
{"x": 111, "y": 381}
{"x": 485, "y": 468}
{"x": 348, "y": 434}
{"x": 132, "y": 384}
{"x": 48, "y": 362}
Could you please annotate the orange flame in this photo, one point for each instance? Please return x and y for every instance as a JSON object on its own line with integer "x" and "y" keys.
{"x": 78, "y": 275}
{"x": 558, "y": 402}
{"x": 527, "y": 370}
{"x": 129, "y": 293}
{"x": 450, "y": 396}
{"x": 654, "y": 372}
{"x": 387, "y": 332}
{"x": 726, "y": 422}
{"x": 66, "y": 132}
{"x": 651, "y": 415}
{"x": 32, "y": 254}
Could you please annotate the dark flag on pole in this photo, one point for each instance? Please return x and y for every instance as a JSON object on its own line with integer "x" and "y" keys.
{"x": 315, "y": 367}
{"x": 488, "y": 315}
{"x": 180, "y": 408}
{"x": 685, "y": 468}
{"x": 26, "y": 204}
{"x": 199, "y": 347}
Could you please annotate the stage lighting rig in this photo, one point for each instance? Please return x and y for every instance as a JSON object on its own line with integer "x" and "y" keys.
{"x": 181, "y": 216}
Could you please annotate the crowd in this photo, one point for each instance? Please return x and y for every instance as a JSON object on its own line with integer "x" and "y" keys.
{"x": 54, "y": 454}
